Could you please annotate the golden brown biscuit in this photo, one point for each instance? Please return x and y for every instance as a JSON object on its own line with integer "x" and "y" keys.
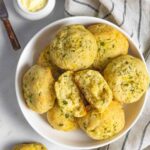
{"x": 73, "y": 48}
{"x": 38, "y": 88}
{"x": 60, "y": 120}
{"x": 94, "y": 88}
{"x": 68, "y": 95}
{"x": 111, "y": 43}
{"x": 31, "y": 146}
{"x": 44, "y": 60}
{"x": 100, "y": 126}
{"x": 127, "y": 77}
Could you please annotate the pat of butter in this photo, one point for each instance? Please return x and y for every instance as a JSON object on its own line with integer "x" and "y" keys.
{"x": 33, "y": 5}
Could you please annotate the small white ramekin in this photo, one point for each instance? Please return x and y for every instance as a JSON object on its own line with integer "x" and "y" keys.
{"x": 34, "y": 15}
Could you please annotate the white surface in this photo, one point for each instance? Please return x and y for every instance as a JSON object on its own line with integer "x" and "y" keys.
{"x": 34, "y": 15}
{"x": 13, "y": 126}
{"x": 75, "y": 139}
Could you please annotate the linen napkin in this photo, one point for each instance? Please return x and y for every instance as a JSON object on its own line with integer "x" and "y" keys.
{"x": 134, "y": 17}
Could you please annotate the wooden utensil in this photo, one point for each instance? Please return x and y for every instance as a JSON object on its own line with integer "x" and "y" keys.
{"x": 11, "y": 34}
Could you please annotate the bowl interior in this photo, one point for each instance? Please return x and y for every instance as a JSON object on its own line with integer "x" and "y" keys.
{"x": 75, "y": 139}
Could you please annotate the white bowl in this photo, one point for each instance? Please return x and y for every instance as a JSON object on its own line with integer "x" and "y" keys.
{"x": 76, "y": 139}
{"x": 44, "y": 12}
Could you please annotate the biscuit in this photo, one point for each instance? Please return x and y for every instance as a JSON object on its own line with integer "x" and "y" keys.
{"x": 38, "y": 89}
{"x": 73, "y": 48}
{"x": 31, "y": 146}
{"x": 101, "y": 126}
{"x": 68, "y": 95}
{"x": 44, "y": 60}
{"x": 111, "y": 43}
{"x": 60, "y": 120}
{"x": 94, "y": 88}
{"x": 127, "y": 77}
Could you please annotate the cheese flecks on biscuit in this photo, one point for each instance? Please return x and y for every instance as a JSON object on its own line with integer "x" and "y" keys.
{"x": 68, "y": 95}
{"x": 73, "y": 48}
{"x": 127, "y": 77}
{"x": 94, "y": 88}
{"x": 38, "y": 88}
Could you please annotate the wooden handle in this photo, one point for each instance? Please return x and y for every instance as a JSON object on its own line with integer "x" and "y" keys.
{"x": 11, "y": 34}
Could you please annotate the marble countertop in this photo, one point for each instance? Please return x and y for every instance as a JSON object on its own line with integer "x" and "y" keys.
{"x": 13, "y": 126}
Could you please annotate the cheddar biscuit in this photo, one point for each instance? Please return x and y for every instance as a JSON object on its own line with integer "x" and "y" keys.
{"x": 127, "y": 77}
{"x": 100, "y": 126}
{"x": 94, "y": 88}
{"x": 111, "y": 43}
{"x": 73, "y": 48}
{"x": 68, "y": 95}
{"x": 31, "y": 146}
{"x": 44, "y": 60}
{"x": 38, "y": 89}
{"x": 60, "y": 120}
